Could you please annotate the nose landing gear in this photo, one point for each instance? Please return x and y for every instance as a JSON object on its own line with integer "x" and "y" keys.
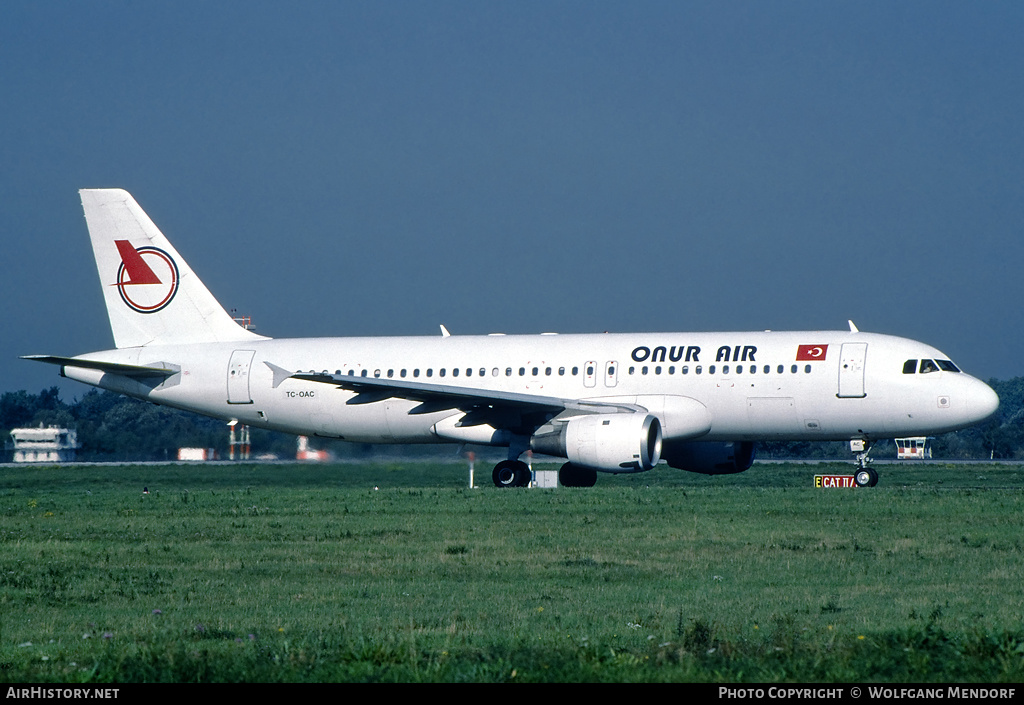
{"x": 865, "y": 476}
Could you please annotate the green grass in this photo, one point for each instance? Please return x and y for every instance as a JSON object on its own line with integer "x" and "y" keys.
{"x": 299, "y": 573}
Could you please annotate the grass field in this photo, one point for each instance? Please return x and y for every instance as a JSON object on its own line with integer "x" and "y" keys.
{"x": 307, "y": 573}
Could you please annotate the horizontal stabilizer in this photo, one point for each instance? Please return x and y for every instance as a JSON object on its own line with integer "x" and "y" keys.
{"x": 116, "y": 368}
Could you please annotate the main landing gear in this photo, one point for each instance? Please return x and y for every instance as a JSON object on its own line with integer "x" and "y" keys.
{"x": 516, "y": 473}
{"x": 865, "y": 476}
{"x": 511, "y": 473}
{"x": 570, "y": 475}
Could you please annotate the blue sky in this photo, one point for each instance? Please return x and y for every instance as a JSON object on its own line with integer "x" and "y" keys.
{"x": 379, "y": 168}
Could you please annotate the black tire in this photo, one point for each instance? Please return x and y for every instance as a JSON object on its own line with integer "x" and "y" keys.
{"x": 866, "y": 477}
{"x": 575, "y": 476}
{"x": 511, "y": 473}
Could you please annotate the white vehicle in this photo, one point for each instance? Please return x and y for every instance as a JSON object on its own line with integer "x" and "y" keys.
{"x": 607, "y": 402}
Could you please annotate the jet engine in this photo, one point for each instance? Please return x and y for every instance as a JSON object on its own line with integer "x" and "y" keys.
{"x": 708, "y": 457}
{"x": 609, "y": 443}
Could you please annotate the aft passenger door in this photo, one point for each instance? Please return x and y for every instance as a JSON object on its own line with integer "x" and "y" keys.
{"x": 238, "y": 377}
{"x": 851, "y": 370}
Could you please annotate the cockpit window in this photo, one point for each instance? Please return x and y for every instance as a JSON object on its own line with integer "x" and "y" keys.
{"x": 910, "y": 366}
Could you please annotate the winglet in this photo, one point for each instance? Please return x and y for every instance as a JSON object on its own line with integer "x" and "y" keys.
{"x": 853, "y": 328}
{"x": 444, "y": 332}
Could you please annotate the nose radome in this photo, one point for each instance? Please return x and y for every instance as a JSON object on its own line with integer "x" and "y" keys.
{"x": 983, "y": 401}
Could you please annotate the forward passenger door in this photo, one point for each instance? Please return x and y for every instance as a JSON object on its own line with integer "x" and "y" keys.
{"x": 851, "y": 370}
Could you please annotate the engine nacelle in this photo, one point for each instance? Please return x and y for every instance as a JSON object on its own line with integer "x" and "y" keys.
{"x": 609, "y": 443}
{"x": 710, "y": 458}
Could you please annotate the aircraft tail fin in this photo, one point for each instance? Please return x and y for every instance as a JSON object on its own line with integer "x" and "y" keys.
{"x": 153, "y": 297}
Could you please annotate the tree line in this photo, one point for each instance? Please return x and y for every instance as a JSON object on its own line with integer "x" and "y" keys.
{"x": 114, "y": 427}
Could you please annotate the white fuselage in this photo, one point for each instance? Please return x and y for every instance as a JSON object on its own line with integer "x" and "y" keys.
{"x": 820, "y": 385}
{"x": 605, "y": 403}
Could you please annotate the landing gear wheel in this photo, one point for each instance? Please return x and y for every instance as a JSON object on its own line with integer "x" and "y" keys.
{"x": 511, "y": 473}
{"x": 866, "y": 477}
{"x": 575, "y": 476}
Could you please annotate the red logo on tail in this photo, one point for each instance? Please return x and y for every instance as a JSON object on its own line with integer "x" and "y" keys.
{"x": 147, "y": 278}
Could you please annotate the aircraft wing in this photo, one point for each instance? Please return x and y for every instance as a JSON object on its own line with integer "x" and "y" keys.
{"x": 117, "y": 368}
{"x": 437, "y": 397}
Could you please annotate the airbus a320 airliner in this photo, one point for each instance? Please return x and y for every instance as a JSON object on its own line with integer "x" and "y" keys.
{"x": 610, "y": 403}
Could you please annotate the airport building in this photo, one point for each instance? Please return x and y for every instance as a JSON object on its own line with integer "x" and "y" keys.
{"x": 44, "y": 445}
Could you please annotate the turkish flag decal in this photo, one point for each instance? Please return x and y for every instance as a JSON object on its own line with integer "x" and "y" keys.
{"x": 811, "y": 352}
